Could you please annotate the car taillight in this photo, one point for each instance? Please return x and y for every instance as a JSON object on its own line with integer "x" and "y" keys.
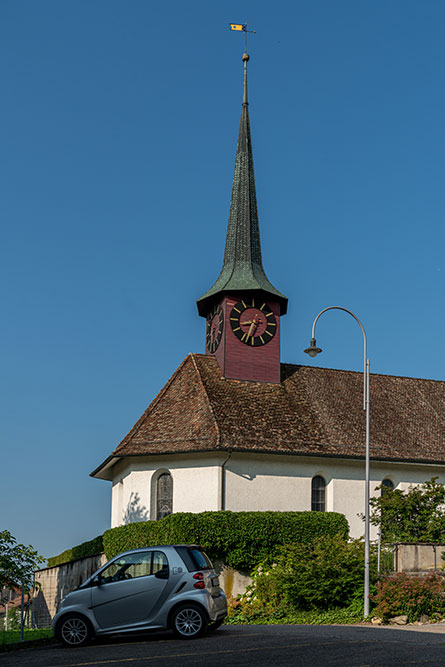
{"x": 200, "y": 583}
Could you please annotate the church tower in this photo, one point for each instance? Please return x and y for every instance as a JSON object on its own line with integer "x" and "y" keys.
{"x": 243, "y": 308}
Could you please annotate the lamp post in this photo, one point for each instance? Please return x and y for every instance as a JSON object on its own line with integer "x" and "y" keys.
{"x": 312, "y": 351}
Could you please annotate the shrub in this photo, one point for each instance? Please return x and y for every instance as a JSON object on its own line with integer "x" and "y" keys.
{"x": 91, "y": 548}
{"x": 323, "y": 575}
{"x": 411, "y": 596}
{"x": 241, "y": 539}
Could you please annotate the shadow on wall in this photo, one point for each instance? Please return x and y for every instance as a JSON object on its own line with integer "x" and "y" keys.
{"x": 135, "y": 511}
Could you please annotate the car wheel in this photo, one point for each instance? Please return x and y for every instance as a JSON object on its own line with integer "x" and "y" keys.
{"x": 189, "y": 621}
{"x": 214, "y": 625}
{"x": 73, "y": 630}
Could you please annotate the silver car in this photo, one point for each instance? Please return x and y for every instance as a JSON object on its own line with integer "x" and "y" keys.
{"x": 154, "y": 588}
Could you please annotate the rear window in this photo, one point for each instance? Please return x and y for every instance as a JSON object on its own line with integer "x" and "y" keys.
{"x": 195, "y": 558}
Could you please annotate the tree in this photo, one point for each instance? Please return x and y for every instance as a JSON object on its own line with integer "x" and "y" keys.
{"x": 415, "y": 515}
{"x": 17, "y": 562}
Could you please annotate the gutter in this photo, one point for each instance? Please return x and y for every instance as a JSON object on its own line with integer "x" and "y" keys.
{"x": 223, "y": 482}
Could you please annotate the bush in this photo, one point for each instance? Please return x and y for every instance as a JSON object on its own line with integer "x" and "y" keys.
{"x": 241, "y": 539}
{"x": 324, "y": 575}
{"x": 91, "y": 548}
{"x": 411, "y": 596}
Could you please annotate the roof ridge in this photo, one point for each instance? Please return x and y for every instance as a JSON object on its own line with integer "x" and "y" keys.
{"x": 345, "y": 370}
{"x": 218, "y": 432}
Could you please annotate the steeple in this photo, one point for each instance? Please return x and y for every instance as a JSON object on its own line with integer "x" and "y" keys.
{"x": 242, "y": 270}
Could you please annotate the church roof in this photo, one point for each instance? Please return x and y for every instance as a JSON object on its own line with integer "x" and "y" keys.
{"x": 242, "y": 269}
{"x": 312, "y": 411}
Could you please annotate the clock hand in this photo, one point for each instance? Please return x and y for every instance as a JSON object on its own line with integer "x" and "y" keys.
{"x": 250, "y": 329}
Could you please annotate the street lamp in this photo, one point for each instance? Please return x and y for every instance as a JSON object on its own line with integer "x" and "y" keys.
{"x": 312, "y": 351}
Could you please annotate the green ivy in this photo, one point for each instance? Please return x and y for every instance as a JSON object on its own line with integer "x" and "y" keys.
{"x": 91, "y": 548}
{"x": 240, "y": 539}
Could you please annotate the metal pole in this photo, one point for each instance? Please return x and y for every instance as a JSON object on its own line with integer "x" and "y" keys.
{"x": 22, "y": 610}
{"x": 366, "y": 408}
{"x": 7, "y": 610}
{"x": 379, "y": 546}
{"x": 366, "y": 593}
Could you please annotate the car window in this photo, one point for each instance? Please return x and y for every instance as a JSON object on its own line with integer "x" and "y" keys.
{"x": 194, "y": 558}
{"x": 136, "y": 565}
{"x": 160, "y": 561}
{"x": 201, "y": 560}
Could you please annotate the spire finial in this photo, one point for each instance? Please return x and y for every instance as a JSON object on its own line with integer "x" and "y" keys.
{"x": 245, "y": 58}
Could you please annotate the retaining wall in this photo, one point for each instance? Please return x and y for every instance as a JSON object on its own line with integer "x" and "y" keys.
{"x": 55, "y": 582}
{"x": 412, "y": 557}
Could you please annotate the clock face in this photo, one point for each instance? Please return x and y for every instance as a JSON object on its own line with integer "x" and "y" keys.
{"x": 215, "y": 324}
{"x": 253, "y": 322}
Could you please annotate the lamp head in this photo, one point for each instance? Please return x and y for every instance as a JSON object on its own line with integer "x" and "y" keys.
{"x": 313, "y": 350}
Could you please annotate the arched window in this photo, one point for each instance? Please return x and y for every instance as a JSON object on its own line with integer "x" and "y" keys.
{"x": 164, "y": 495}
{"x": 387, "y": 485}
{"x": 318, "y": 494}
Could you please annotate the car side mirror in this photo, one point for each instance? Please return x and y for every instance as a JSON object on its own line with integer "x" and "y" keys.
{"x": 97, "y": 581}
{"x": 162, "y": 574}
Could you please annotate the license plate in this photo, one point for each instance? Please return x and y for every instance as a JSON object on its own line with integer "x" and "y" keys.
{"x": 215, "y": 581}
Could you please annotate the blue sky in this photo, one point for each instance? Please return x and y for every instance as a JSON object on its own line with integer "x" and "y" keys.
{"x": 118, "y": 132}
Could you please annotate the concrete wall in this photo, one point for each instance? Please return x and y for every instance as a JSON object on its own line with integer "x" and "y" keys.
{"x": 256, "y": 482}
{"x": 418, "y": 557}
{"x": 55, "y": 582}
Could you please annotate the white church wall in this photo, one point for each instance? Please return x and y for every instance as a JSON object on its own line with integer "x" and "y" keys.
{"x": 256, "y": 483}
{"x": 196, "y": 486}
{"x": 283, "y": 483}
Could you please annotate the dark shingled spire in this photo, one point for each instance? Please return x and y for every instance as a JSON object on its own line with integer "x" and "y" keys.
{"x": 242, "y": 269}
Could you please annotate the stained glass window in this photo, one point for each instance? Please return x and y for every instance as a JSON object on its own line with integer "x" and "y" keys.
{"x": 164, "y": 495}
{"x": 318, "y": 494}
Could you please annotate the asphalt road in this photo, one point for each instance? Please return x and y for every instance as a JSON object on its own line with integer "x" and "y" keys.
{"x": 263, "y": 646}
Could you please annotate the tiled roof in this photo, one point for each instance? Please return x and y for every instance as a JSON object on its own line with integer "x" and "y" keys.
{"x": 313, "y": 411}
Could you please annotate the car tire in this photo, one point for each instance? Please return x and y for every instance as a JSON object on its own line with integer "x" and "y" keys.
{"x": 214, "y": 625}
{"x": 189, "y": 621}
{"x": 74, "y": 630}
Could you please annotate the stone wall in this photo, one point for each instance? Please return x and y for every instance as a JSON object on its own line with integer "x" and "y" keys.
{"x": 56, "y": 582}
{"x": 411, "y": 557}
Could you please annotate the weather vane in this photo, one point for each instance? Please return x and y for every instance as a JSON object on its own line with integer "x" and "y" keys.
{"x": 242, "y": 27}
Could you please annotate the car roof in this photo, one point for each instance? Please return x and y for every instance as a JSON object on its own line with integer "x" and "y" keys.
{"x": 158, "y": 546}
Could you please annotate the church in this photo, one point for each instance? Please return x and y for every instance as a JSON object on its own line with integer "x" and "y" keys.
{"x": 236, "y": 429}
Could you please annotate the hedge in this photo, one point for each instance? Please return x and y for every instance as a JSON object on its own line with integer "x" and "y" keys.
{"x": 240, "y": 539}
{"x": 91, "y": 548}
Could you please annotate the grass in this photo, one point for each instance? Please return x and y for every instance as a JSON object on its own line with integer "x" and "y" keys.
{"x": 13, "y": 636}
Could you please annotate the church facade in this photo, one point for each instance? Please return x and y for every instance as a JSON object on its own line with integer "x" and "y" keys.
{"x": 236, "y": 429}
